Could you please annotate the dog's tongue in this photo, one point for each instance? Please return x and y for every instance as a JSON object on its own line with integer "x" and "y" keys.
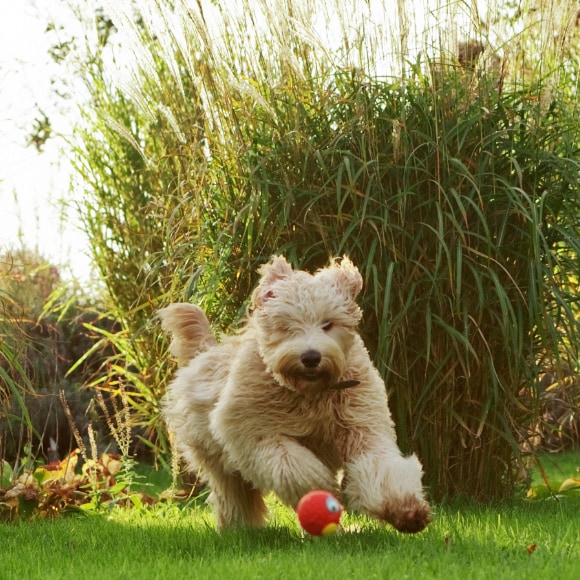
{"x": 346, "y": 384}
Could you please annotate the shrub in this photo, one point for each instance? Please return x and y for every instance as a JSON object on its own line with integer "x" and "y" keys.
{"x": 453, "y": 187}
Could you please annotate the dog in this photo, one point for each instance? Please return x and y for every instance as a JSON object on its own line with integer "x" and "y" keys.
{"x": 289, "y": 403}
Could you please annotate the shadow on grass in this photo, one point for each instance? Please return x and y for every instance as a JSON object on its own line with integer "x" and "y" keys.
{"x": 195, "y": 534}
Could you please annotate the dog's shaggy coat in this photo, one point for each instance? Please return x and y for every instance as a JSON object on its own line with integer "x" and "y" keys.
{"x": 289, "y": 403}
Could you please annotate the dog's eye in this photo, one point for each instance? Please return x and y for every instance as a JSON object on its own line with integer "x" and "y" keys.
{"x": 327, "y": 326}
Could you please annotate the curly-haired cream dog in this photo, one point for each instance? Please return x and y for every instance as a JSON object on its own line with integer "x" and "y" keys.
{"x": 289, "y": 403}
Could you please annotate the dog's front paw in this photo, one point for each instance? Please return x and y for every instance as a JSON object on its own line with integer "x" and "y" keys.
{"x": 410, "y": 515}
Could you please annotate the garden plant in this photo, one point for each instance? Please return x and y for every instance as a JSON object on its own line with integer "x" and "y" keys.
{"x": 449, "y": 175}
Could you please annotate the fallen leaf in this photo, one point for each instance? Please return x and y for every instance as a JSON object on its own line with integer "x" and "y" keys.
{"x": 58, "y": 470}
{"x": 111, "y": 462}
{"x": 570, "y": 483}
{"x": 21, "y": 490}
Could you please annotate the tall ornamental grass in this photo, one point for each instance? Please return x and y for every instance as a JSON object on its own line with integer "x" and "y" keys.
{"x": 448, "y": 174}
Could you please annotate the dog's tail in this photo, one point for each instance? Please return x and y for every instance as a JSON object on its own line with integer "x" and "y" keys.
{"x": 190, "y": 328}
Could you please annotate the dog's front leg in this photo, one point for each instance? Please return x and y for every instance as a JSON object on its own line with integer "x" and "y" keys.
{"x": 280, "y": 464}
{"x": 269, "y": 460}
{"x": 254, "y": 426}
{"x": 381, "y": 482}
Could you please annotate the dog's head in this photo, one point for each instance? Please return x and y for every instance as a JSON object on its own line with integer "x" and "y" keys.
{"x": 306, "y": 323}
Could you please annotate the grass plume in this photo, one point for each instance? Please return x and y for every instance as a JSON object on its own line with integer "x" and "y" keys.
{"x": 445, "y": 164}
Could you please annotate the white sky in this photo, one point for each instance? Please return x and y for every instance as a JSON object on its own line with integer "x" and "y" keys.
{"x": 37, "y": 181}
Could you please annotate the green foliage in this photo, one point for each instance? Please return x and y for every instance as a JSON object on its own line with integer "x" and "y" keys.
{"x": 100, "y": 483}
{"x": 26, "y": 281}
{"x": 45, "y": 327}
{"x": 454, "y": 190}
{"x": 60, "y": 488}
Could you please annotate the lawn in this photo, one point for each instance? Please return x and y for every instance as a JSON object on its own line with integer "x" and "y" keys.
{"x": 520, "y": 539}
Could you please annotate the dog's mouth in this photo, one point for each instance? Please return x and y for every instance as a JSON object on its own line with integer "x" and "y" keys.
{"x": 313, "y": 377}
{"x": 318, "y": 379}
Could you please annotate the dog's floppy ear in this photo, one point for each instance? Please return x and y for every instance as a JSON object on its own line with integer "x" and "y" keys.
{"x": 276, "y": 269}
{"x": 347, "y": 276}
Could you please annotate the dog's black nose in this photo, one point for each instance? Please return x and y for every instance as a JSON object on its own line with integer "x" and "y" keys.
{"x": 311, "y": 359}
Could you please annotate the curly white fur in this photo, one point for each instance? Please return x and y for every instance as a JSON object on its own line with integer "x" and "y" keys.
{"x": 289, "y": 402}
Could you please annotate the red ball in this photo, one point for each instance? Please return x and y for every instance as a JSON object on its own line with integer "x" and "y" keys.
{"x": 319, "y": 513}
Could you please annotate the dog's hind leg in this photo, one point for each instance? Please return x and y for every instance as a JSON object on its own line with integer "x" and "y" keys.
{"x": 236, "y": 502}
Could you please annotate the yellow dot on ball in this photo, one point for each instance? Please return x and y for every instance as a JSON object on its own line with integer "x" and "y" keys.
{"x": 329, "y": 529}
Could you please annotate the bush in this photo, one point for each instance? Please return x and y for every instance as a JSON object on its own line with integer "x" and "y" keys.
{"x": 453, "y": 188}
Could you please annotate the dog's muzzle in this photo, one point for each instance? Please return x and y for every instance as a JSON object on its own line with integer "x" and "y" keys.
{"x": 311, "y": 360}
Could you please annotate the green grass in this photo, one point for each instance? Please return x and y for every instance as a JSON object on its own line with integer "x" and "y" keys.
{"x": 519, "y": 539}
{"x": 474, "y": 542}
